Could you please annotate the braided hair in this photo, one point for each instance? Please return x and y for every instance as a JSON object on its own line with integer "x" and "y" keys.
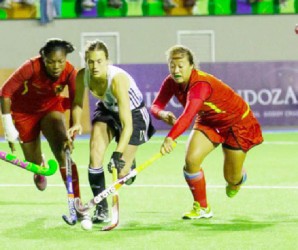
{"x": 54, "y": 44}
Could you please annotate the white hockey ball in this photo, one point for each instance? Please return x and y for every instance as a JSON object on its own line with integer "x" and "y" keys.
{"x": 86, "y": 224}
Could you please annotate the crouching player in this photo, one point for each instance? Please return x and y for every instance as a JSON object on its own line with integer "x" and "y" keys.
{"x": 120, "y": 113}
{"x": 31, "y": 103}
{"x": 222, "y": 117}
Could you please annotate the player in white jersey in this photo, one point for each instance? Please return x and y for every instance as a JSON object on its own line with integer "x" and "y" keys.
{"x": 120, "y": 113}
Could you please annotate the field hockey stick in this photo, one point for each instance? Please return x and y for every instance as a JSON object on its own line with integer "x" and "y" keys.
{"x": 81, "y": 208}
{"x": 32, "y": 167}
{"x": 72, "y": 219}
{"x": 115, "y": 205}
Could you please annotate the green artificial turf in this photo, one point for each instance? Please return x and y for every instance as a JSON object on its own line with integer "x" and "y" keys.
{"x": 262, "y": 216}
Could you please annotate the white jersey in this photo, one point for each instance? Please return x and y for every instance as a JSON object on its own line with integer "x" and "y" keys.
{"x": 108, "y": 99}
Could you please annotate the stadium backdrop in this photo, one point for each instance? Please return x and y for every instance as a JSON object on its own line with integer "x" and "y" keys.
{"x": 268, "y": 87}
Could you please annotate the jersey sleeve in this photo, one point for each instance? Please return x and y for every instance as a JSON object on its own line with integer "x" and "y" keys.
{"x": 164, "y": 95}
{"x": 196, "y": 96}
{"x": 17, "y": 79}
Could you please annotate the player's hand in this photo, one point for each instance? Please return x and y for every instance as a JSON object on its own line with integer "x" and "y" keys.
{"x": 68, "y": 145}
{"x": 116, "y": 161}
{"x": 73, "y": 131}
{"x": 167, "y": 116}
{"x": 10, "y": 132}
{"x": 167, "y": 146}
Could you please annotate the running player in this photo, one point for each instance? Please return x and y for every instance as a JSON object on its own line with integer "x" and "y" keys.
{"x": 119, "y": 113}
{"x": 31, "y": 103}
{"x": 222, "y": 117}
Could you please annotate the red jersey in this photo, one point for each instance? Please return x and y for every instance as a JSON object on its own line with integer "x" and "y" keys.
{"x": 32, "y": 90}
{"x": 217, "y": 104}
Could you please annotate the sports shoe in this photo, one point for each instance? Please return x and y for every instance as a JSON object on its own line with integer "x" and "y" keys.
{"x": 198, "y": 212}
{"x": 132, "y": 179}
{"x": 232, "y": 190}
{"x": 101, "y": 214}
{"x": 40, "y": 182}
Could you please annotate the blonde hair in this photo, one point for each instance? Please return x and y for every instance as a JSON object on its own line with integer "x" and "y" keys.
{"x": 96, "y": 45}
{"x": 180, "y": 49}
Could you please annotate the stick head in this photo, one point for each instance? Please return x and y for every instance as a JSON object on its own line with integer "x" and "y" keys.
{"x": 69, "y": 221}
{"x": 115, "y": 214}
{"x": 82, "y": 209}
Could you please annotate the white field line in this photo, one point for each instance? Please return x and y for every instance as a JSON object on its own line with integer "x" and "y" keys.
{"x": 158, "y": 186}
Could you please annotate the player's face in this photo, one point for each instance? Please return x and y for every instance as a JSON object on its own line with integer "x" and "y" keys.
{"x": 55, "y": 62}
{"x": 97, "y": 63}
{"x": 180, "y": 68}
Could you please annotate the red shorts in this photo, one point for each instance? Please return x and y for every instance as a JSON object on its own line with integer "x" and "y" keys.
{"x": 242, "y": 135}
{"x": 28, "y": 124}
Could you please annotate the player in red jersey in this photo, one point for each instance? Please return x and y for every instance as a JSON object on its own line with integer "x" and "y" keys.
{"x": 31, "y": 103}
{"x": 222, "y": 117}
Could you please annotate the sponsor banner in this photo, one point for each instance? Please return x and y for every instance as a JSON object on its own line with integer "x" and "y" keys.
{"x": 270, "y": 88}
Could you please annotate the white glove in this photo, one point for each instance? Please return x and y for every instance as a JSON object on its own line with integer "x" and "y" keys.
{"x": 10, "y": 132}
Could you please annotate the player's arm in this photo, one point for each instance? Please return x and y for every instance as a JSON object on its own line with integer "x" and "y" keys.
{"x": 71, "y": 91}
{"x": 16, "y": 81}
{"x": 163, "y": 97}
{"x": 5, "y": 105}
{"x": 77, "y": 105}
{"x": 11, "y": 134}
{"x": 196, "y": 96}
{"x": 120, "y": 87}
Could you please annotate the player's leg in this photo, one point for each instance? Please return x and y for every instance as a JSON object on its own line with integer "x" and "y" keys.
{"x": 241, "y": 138}
{"x": 54, "y": 129}
{"x": 198, "y": 147}
{"x": 130, "y": 162}
{"x": 101, "y": 136}
{"x": 234, "y": 173}
{"x": 32, "y": 153}
{"x": 143, "y": 130}
{"x": 29, "y": 133}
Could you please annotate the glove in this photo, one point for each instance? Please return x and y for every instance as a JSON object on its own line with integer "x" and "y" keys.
{"x": 116, "y": 161}
{"x": 10, "y": 132}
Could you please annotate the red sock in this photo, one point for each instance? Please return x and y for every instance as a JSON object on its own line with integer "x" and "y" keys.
{"x": 197, "y": 185}
{"x": 75, "y": 179}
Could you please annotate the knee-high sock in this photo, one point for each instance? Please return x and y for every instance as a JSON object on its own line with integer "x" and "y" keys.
{"x": 197, "y": 185}
{"x": 75, "y": 179}
{"x": 97, "y": 182}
